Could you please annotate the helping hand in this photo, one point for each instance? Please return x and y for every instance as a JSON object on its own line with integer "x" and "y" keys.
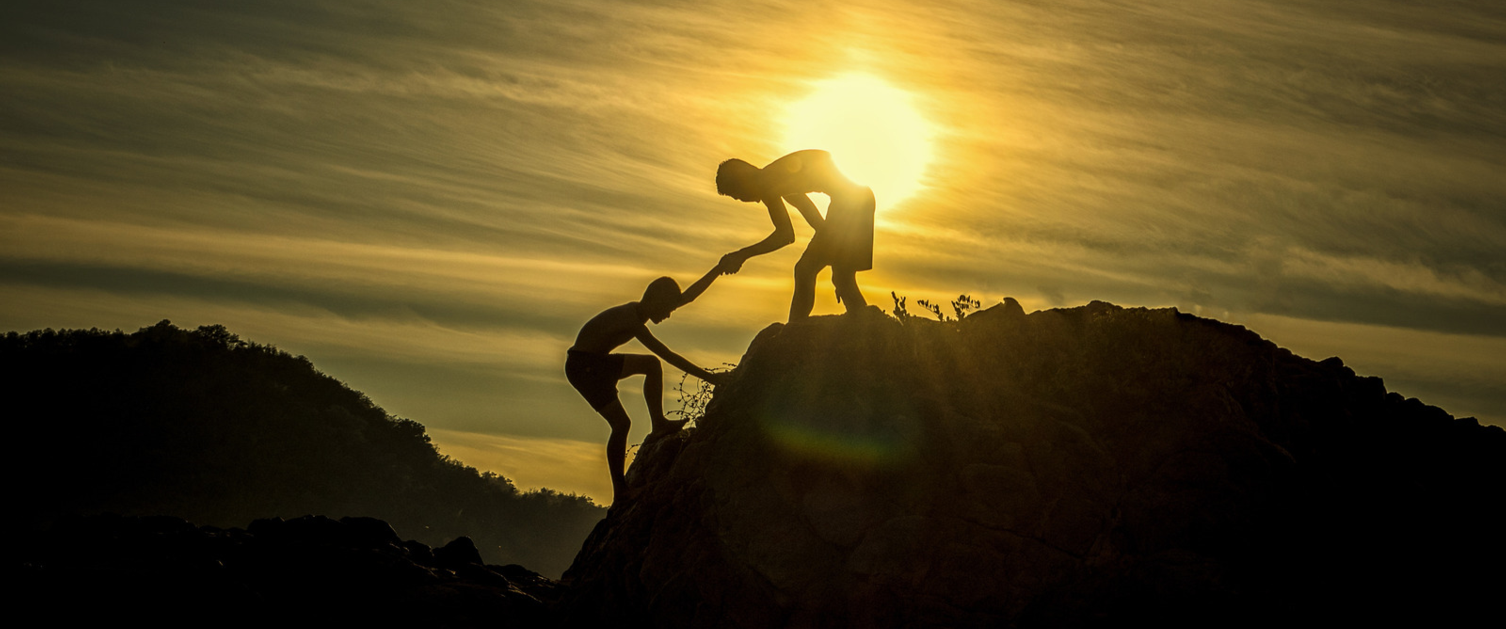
{"x": 731, "y": 263}
{"x": 718, "y": 378}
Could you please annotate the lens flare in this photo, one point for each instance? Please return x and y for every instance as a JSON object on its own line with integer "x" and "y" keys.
{"x": 862, "y": 448}
{"x": 841, "y": 421}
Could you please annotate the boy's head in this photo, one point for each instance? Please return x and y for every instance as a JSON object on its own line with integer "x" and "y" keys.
{"x": 661, "y": 298}
{"x": 736, "y": 178}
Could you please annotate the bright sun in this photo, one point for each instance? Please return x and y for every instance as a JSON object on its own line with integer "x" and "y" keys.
{"x": 873, "y": 133}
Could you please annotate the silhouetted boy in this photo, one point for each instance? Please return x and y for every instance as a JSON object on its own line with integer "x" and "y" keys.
{"x": 844, "y": 237}
{"x": 594, "y": 371}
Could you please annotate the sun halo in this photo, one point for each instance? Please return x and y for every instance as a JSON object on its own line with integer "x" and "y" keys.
{"x": 875, "y": 136}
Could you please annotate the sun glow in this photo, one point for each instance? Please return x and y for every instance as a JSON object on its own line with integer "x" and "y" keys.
{"x": 871, "y": 130}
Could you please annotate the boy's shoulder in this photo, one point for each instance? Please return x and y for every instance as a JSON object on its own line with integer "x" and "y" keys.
{"x": 800, "y": 171}
{"x": 800, "y": 161}
{"x": 609, "y": 329}
{"x": 621, "y": 316}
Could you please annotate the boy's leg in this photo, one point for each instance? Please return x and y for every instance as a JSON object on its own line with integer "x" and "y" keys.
{"x": 653, "y": 388}
{"x": 846, "y": 283}
{"x": 617, "y": 418}
{"x": 806, "y": 270}
{"x": 595, "y": 377}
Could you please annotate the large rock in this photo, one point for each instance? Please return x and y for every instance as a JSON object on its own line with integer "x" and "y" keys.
{"x": 1073, "y": 467}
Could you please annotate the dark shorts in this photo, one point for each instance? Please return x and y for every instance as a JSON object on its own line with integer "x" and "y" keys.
{"x": 845, "y": 241}
{"x": 594, "y": 375}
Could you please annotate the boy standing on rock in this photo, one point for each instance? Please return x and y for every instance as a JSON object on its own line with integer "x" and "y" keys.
{"x": 594, "y": 371}
{"x": 844, "y": 237}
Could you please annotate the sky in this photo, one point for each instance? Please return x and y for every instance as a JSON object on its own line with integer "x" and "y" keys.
{"x": 428, "y": 199}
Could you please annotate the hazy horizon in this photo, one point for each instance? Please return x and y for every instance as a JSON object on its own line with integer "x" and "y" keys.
{"x": 428, "y": 201}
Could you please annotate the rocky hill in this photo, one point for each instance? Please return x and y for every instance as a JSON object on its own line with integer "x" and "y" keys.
{"x": 1076, "y": 467}
{"x": 201, "y": 425}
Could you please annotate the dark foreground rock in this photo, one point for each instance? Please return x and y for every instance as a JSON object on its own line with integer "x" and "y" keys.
{"x": 1083, "y": 467}
{"x": 301, "y": 572}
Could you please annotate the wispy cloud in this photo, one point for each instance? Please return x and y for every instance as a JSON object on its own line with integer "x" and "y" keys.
{"x": 429, "y": 199}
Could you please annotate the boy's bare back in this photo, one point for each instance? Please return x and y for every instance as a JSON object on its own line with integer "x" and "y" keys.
{"x": 610, "y": 329}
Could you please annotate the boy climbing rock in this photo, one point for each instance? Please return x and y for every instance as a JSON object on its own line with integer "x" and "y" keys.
{"x": 594, "y": 371}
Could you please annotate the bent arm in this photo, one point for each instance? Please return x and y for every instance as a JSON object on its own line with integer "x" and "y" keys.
{"x": 807, "y": 209}
{"x": 654, "y": 345}
{"x": 784, "y": 232}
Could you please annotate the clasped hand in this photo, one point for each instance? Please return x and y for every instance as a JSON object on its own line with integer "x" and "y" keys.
{"x": 731, "y": 263}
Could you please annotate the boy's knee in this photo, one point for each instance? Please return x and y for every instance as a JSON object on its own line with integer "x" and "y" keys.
{"x": 643, "y": 364}
{"x": 617, "y": 418}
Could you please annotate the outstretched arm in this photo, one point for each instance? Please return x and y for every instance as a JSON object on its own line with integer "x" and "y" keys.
{"x": 700, "y": 285}
{"x": 654, "y": 345}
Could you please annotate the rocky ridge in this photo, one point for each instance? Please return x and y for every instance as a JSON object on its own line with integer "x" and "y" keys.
{"x": 1072, "y": 467}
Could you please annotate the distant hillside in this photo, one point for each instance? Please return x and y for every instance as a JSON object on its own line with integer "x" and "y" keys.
{"x": 201, "y": 425}
{"x": 1085, "y": 467}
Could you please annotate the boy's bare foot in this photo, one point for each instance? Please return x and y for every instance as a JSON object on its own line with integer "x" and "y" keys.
{"x": 620, "y": 493}
{"x": 621, "y": 499}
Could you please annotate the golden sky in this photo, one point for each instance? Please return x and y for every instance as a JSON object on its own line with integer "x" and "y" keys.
{"x": 428, "y": 199}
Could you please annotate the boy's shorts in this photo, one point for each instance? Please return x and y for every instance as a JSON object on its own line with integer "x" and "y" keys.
{"x": 594, "y": 375}
{"x": 845, "y": 241}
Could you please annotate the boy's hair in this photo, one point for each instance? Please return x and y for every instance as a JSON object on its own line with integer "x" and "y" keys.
{"x": 731, "y": 177}
{"x": 664, "y": 289}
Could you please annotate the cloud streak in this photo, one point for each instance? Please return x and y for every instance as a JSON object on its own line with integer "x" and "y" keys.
{"x": 429, "y": 199}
